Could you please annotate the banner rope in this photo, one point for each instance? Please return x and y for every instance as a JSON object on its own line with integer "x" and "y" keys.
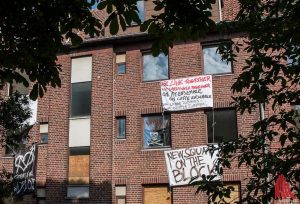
{"x": 213, "y": 124}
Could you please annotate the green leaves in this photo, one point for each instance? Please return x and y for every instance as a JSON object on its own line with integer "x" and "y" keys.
{"x": 114, "y": 26}
{"x": 6, "y": 184}
{"x": 39, "y": 30}
{"x": 14, "y": 111}
{"x": 269, "y": 48}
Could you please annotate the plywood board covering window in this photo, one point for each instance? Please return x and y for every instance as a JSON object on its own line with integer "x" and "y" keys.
{"x": 79, "y": 166}
{"x": 79, "y": 169}
{"x": 157, "y": 194}
{"x": 234, "y": 195}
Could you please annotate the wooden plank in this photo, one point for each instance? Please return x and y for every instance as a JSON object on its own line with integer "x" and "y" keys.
{"x": 79, "y": 169}
{"x": 157, "y": 195}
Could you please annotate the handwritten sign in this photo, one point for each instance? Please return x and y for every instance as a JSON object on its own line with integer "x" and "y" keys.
{"x": 24, "y": 172}
{"x": 187, "y": 93}
{"x": 185, "y": 164}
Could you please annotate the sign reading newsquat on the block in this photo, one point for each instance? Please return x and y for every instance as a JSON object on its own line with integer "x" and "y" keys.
{"x": 185, "y": 164}
{"x": 187, "y": 93}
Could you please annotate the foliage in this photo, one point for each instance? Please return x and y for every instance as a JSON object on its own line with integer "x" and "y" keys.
{"x": 14, "y": 115}
{"x": 175, "y": 20}
{"x": 32, "y": 34}
{"x": 270, "y": 77}
{"x": 6, "y": 184}
{"x": 14, "y": 128}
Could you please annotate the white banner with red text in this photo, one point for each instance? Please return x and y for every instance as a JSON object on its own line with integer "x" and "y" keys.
{"x": 187, "y": 93}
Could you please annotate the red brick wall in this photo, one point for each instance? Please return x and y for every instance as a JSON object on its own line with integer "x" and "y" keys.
{"x": 125, "y": 161}
{"x": 119, "y": 162}
{"x": 132, "y": 164}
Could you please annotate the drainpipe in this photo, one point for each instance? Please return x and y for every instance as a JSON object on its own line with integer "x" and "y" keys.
{"x": 220, "y": 10}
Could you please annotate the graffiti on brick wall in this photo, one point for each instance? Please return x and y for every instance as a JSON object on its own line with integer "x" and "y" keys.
{"x": 191, "y": 163}
{"x": 187, "y": 93}
{"x": 24, "y": 171}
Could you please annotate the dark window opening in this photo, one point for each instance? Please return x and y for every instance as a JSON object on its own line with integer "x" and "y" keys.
{"x": 121, "y": 127}
{"x": 81, "y": 99}
{"x": 221, "y": 125}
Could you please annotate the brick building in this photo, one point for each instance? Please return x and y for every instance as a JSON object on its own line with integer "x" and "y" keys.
{"x": 93, "y": 132}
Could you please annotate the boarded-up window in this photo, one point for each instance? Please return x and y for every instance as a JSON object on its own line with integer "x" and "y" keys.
{"x": 79, "y": 165}
{"x": 234, "y": 195}
{"x": 157, "y": 194}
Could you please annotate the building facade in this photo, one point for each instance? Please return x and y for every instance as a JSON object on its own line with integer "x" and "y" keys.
{"x": 101, "y": 136}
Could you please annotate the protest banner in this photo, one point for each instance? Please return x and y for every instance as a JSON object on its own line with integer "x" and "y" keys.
{"x": 186, "y": 164}
{"x": 187, "y": 93}
{"x": 24, "y": 171}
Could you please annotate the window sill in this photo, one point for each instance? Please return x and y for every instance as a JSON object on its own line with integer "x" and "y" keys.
{"x": 77, "y": 198}
{"x": 133, "y": 25}
{"x": 153, "y": 81}
{"x": 7, "y": 157}
{"x": 79, "y": 117}
{"x": 156, "y": 149}
{"x": 220, "y": 75}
